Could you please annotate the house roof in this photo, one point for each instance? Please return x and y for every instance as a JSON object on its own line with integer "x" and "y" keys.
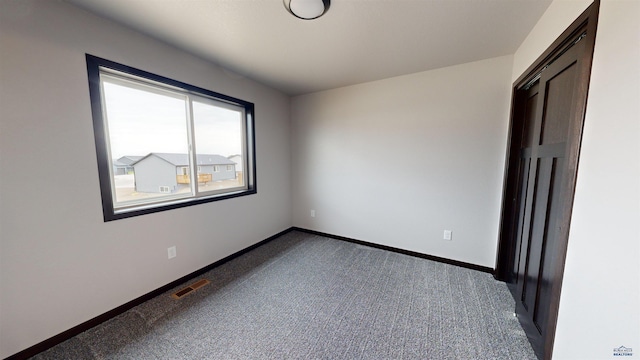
{"x": 183, "y": 159}
{"x": 128, "y": 159}
{"x": 119, "y": 163}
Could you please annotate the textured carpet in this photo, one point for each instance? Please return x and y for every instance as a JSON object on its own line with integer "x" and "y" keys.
{"x": 304, "y": 296}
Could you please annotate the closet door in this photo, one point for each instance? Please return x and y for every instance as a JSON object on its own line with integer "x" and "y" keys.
{"x": 541, "y": 199}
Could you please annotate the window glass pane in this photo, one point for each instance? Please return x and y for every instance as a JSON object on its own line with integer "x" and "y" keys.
{"x": 219, "y": 146}
{"x": 148, "y": 142}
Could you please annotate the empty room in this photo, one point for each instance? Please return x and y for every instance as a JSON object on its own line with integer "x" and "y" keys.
{"x": 314, "y": 179}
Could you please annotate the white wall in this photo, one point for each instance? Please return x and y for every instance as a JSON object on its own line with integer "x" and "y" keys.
{"x": 599, "y": 307}
{"x": 397, "y": 161}
{"x": 60, "y": 264}
{"x": 600, "y": 302}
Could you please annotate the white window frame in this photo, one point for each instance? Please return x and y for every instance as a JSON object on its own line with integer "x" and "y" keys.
{"x": 99, "y": 69}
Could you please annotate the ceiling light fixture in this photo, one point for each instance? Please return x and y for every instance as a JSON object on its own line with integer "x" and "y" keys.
{"x": 307, "y": 9}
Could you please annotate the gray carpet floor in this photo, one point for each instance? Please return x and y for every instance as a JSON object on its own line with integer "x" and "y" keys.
{"x": 304, "y": 296}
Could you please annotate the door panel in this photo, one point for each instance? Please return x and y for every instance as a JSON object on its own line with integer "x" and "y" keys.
{"x": 558, "y": 107}
{"x": 525, "y": 170}
{"x": 535, "y": 241}
{"x": 528, "y": 133}
{"x": 530, "y": 116}
{"x": 541, "y": 315}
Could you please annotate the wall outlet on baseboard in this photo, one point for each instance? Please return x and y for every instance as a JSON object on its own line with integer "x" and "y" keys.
{"x": 171, "y": 252}
{"x": 313, "y": 213}
{"x": 447, "y": 235}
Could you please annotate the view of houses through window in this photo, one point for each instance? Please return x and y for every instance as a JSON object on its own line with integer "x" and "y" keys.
{"x": 166, "y": 144}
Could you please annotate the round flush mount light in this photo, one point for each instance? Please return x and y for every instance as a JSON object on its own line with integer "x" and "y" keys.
{"x": 307, "y": 9}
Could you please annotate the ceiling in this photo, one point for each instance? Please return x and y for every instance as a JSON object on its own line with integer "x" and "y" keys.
{"x": 356, "y": 41}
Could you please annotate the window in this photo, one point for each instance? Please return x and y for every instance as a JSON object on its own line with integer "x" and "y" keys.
{"x": 178, "y": 137}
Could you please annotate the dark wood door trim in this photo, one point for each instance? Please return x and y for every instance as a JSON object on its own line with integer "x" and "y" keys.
{"x": 506, "y": 255}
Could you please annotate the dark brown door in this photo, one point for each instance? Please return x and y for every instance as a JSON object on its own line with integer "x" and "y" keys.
{"x": 546, "y": 128}
{"x": 547, "y": 116}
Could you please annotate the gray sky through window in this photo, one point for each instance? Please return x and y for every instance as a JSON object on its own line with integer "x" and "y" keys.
{"x": 141, "y": 122}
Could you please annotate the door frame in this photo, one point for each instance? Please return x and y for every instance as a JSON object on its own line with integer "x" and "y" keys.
{"x": 506, "y": 252}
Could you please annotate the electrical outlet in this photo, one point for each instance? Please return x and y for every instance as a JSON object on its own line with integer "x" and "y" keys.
{"x": 447, "y": 235}
{"x": 171, "y": 252}
{"x": 313, "y": 213}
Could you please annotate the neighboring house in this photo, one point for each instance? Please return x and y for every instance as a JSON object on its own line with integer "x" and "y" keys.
{"x": 237, "y": 159}
{"x": 122, "y": 166}
{"x": 162, "y": 172}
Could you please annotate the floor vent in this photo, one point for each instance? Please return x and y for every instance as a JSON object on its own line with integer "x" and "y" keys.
{"x": 193, "y": 287}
